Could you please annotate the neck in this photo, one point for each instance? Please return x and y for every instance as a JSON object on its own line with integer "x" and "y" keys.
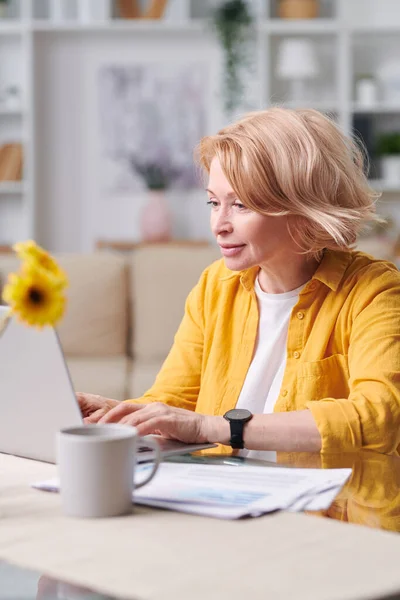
{"x": 294, "y": 272}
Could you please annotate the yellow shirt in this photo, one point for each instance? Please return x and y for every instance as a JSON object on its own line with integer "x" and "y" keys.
{"x": 343, "y": 350}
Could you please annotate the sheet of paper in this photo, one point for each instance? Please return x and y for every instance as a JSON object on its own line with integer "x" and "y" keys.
{"x": 318, "y": 499}
{"x": 232, "y": 492}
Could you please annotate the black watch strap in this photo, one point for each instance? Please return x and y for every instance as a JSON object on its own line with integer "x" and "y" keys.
{"x": 237, "y": 434}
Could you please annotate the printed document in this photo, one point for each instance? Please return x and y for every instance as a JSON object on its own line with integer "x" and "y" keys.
{"x": 231, "y": 492}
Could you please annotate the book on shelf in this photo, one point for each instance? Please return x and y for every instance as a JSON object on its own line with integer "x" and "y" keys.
{"x": 11, "y": 162}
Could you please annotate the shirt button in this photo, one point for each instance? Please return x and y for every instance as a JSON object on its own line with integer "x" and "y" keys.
{"x": 312, "y": 285}
{"x": 300, "y": 315}
{"x": 284, "y": 393}
{"x": 296, "y": 354}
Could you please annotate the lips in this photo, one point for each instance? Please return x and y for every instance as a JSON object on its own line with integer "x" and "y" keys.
{"x": 231, "y": 249}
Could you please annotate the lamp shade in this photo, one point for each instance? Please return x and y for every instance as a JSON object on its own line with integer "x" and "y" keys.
{"x": 296, "y": 59}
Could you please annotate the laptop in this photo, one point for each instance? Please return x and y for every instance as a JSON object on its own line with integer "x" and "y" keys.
{"x": 37, "y": 397}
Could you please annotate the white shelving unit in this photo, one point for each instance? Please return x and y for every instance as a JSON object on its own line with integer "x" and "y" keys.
{"x": 346, "y": 37}
{"x": 16, "y": 197}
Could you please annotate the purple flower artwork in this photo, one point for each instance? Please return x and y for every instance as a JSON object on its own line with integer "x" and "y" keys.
{"x": 151, "y": 114}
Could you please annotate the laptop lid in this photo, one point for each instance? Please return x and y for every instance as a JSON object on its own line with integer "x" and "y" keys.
{"x": 37, "y": 397}
{"x": 36, "y": 393}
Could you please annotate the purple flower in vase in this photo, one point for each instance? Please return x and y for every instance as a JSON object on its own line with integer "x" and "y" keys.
{"x": 158, "y": 172}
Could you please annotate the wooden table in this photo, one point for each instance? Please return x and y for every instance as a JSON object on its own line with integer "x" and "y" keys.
{"x": 155, "y": 554}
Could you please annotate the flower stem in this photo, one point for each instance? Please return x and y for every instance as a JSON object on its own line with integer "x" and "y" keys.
{"x": 4, "y": 321}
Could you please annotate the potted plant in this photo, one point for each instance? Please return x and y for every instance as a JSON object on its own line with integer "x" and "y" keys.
{"x": 158, "y": 176}
{"x": 232, "y": 22}
{"x": 388, "y": 147}
{"x": 3, "y": 8}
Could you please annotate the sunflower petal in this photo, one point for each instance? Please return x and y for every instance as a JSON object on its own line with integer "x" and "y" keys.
{"x": 35, "y": 297}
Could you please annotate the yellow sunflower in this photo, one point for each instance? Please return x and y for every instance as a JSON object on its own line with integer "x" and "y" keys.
{"x": 34, "y": 296}
{"x": 30, "y": 253}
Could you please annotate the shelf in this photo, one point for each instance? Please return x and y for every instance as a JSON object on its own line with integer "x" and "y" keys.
{"x": 274, "y": 26}
{"x": 375, "y": 28}
{"x": 322, "y": 106}
{"x": 300, "y": 26}
{"x": 129, "y": 246}
{"x": 11, "y": 27}
{"x": 12, "y": 187}
{"x": 120, "y": 25}
{"x": 11, "y": 112}
{"x": 377, "y": 109}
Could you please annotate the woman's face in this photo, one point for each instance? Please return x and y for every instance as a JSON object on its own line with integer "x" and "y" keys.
{"x": 245, "y": 237}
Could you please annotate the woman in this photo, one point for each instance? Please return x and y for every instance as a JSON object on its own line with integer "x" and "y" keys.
{"x": 292, "y": 327}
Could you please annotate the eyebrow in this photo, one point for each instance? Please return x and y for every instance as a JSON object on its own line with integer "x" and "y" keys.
{"x": 229, "y": 195}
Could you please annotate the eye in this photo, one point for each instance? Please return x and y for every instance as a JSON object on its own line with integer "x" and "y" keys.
{"x": 212, "y": 203}
{"x": 239, "y": 205}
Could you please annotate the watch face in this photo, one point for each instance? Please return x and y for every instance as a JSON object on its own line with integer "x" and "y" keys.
{"x": 238, "y": 414}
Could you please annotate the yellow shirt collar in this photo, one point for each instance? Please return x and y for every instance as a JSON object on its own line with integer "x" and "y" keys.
{"x": 329, "y": 272}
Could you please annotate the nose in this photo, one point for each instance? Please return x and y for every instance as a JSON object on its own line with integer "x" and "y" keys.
{"x": 221, "y": 223}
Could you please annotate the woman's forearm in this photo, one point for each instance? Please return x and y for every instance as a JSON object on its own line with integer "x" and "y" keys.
{"x": 294, "y": 431}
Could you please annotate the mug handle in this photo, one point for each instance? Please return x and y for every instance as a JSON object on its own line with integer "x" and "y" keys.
{"x": 156, "y": 464}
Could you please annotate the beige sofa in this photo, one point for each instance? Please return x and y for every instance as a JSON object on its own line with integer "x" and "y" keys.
{"x": 123, "y": 312}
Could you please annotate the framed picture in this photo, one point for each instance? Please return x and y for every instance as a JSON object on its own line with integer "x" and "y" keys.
{"x": 151, "y": 113}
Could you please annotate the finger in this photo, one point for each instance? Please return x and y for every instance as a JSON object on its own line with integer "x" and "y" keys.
{"x": 151, "y": 426}
{"x": 141, "y": 416}
{"x": 84, "y": 397}
{"x": 118, "y": 412}
{"x": 87, "y": 403}
{"x": 95, "y": 416}
{"x": 81, "y": 399}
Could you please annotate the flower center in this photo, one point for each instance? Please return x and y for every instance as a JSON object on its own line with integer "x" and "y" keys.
{"x": 35, "y": 295}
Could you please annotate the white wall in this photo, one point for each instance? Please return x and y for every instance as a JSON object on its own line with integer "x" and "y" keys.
{"x": 60, "y": 136}
{"x": 74, "y": 210}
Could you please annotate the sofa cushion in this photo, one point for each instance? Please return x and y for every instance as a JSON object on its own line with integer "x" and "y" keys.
{"x": 96, "y": 319}
{"x": 142, "y": 376}
{"x": 104, "y": 375}
{"x": 95, "y": 323}
{"x": 160, "y": 283}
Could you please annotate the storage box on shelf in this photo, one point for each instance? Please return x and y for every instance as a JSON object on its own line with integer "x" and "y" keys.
{"x": 302, "y": 9}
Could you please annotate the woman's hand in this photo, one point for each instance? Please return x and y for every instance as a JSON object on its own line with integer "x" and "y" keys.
{"x": 94, "y": 407}
{"x": 170, "y": 422}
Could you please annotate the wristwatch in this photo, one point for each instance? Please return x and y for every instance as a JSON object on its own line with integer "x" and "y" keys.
{"x": 237, "y": 418}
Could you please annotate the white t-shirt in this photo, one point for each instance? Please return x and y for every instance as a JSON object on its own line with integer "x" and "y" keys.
{"x": 263, "y": 381}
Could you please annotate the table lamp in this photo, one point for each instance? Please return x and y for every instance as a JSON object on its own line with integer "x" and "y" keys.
{"x": 296, "y": 62}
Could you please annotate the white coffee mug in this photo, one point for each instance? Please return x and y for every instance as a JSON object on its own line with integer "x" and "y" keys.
{"x": 96, "y": 467}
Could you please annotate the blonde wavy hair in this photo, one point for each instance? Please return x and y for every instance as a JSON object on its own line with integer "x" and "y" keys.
{"x": 297, "y": 163}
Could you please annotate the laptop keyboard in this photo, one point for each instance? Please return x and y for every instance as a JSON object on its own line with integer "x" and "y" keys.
{"x": 145, "y": 449}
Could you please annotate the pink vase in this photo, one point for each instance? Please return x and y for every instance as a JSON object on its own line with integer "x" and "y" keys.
{"x": 156, "y": 218}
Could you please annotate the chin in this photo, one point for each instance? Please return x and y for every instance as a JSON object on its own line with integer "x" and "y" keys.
{"x": 237, "y": 264}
